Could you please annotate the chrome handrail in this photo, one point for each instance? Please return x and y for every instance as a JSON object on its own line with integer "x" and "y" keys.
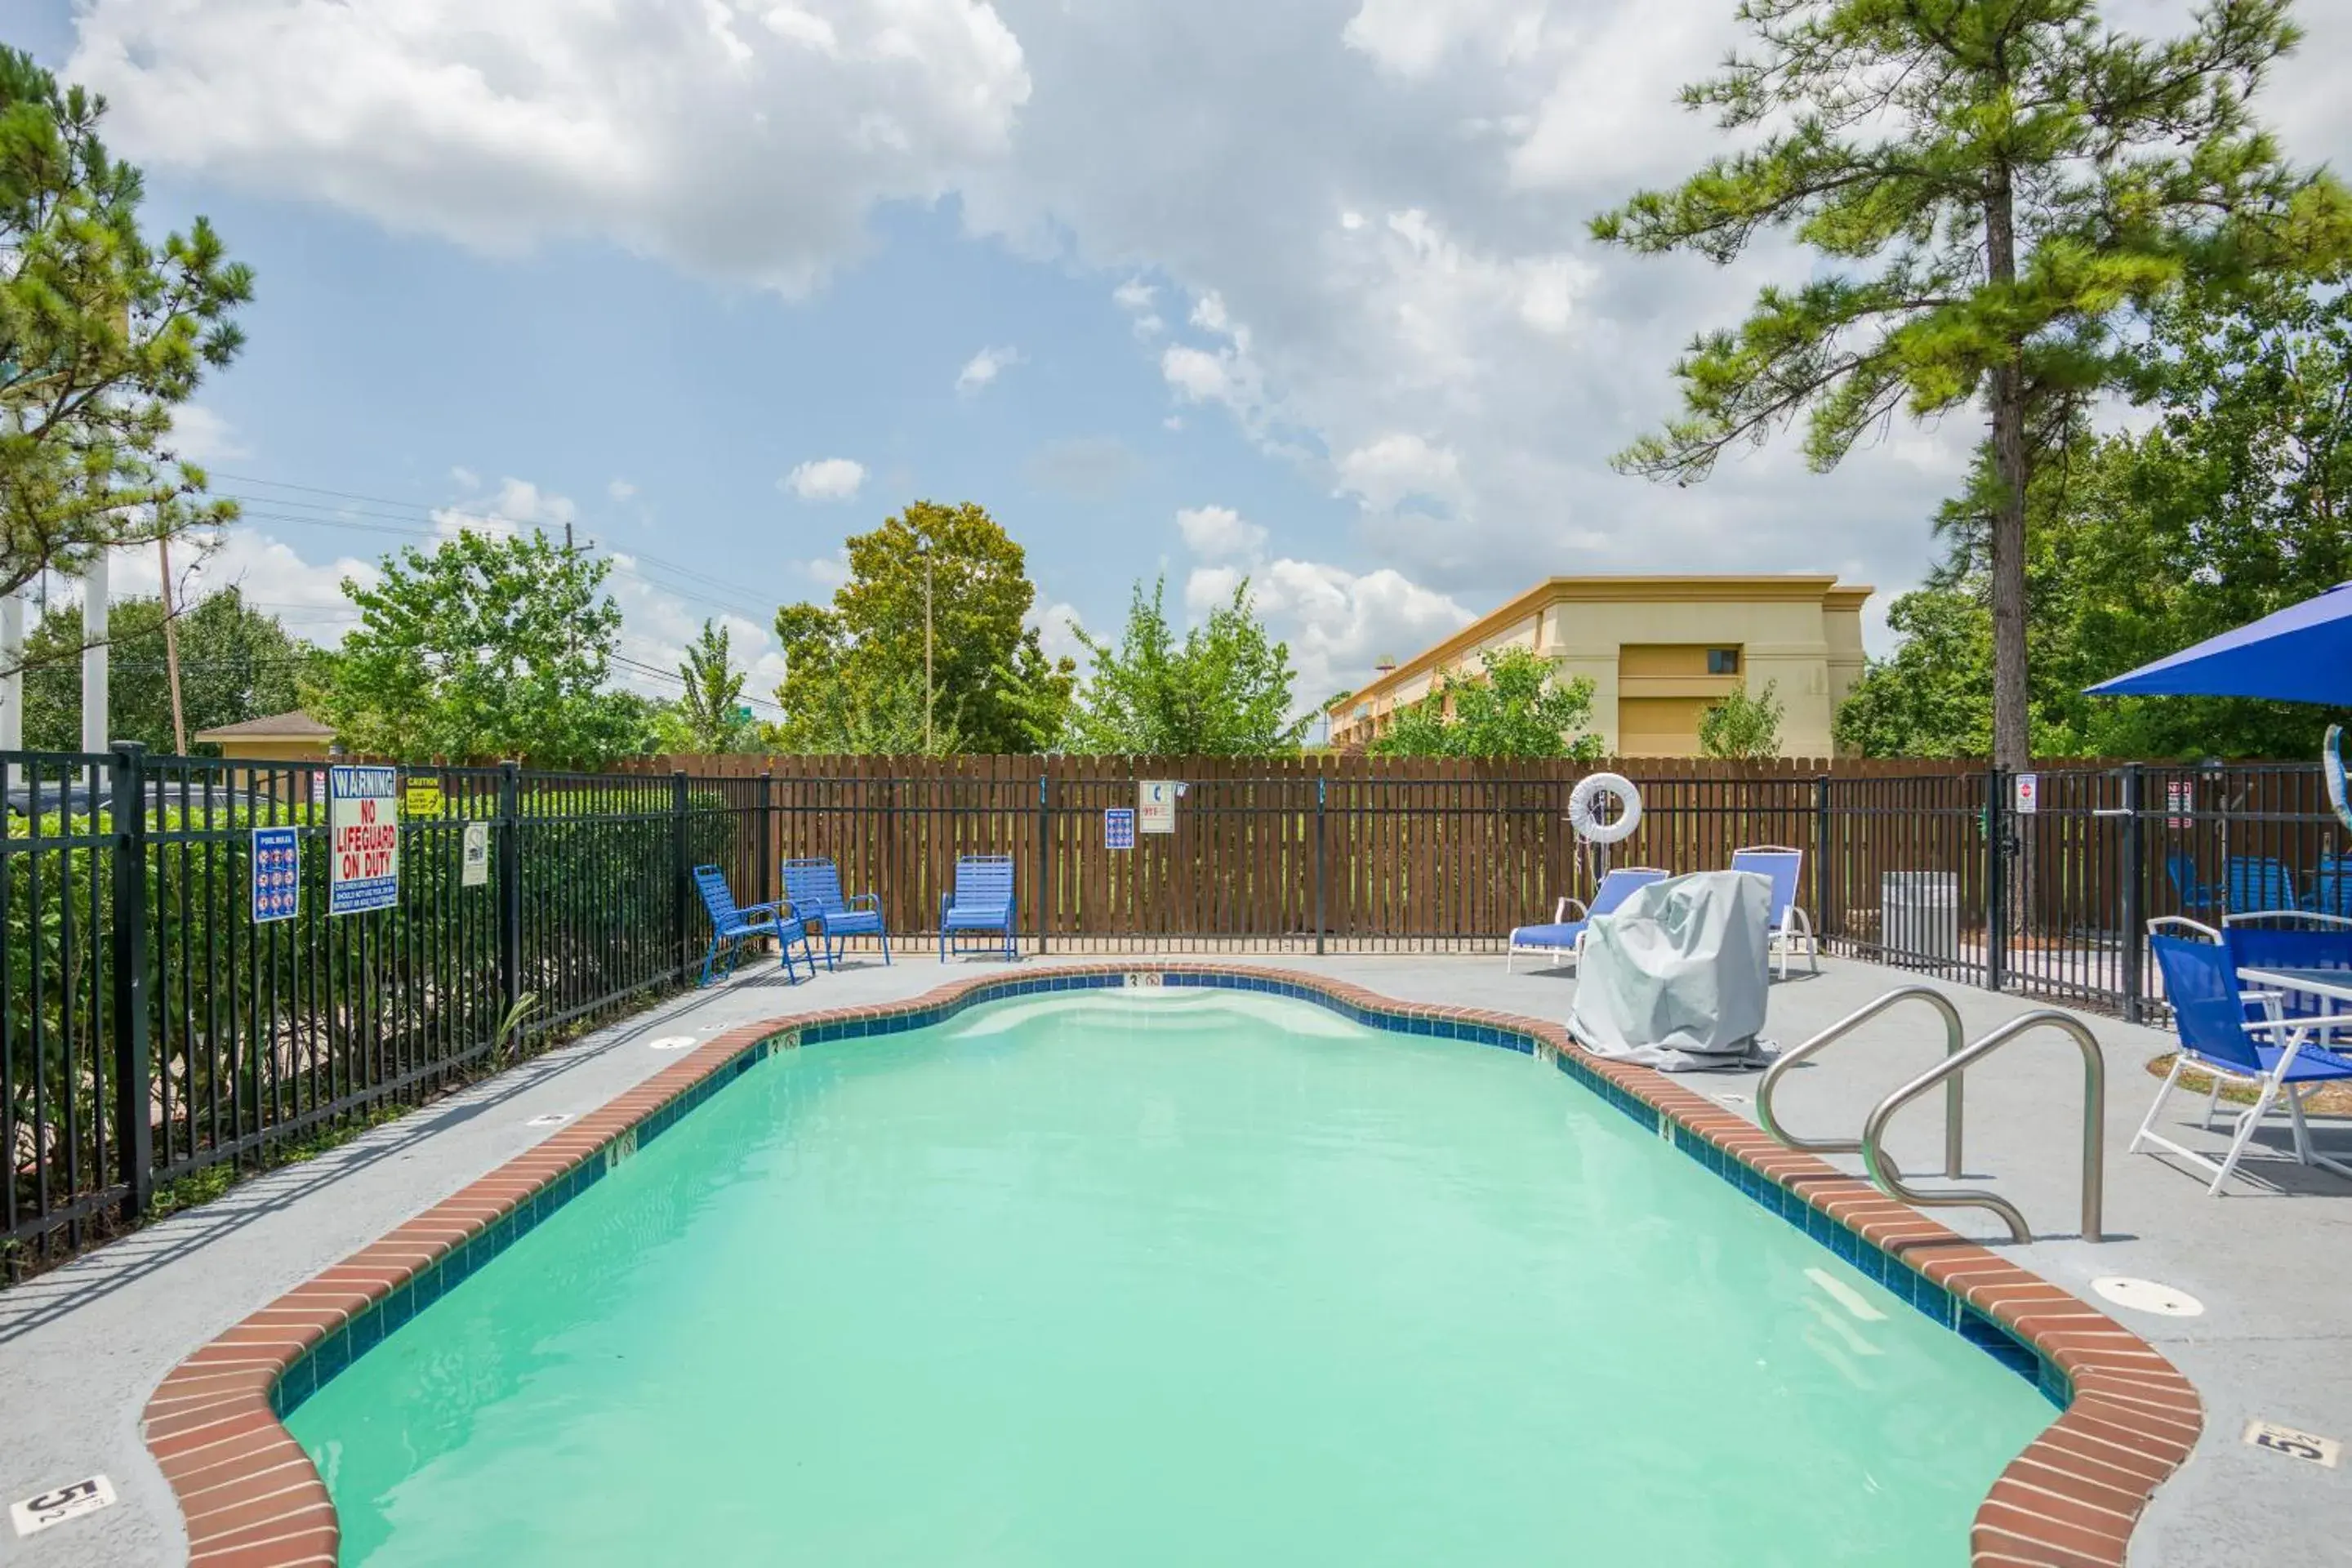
{"x": 1885, "y": 1172}
{"x": 1953, "y": 1034}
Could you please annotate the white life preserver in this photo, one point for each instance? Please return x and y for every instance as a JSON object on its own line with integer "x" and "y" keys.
{"x": 1588, "y": 794}
{"x": 2331, "y": 766}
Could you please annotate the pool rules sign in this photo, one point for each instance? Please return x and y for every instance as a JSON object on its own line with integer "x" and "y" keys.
{"x": 362, "y": 839}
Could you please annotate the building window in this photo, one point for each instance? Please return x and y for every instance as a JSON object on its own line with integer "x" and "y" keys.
{"x": 1723, "y": 661}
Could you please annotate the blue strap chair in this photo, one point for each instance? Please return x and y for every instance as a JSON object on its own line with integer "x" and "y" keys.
{"x": 2193, "y": 891}
{"x": 2258, "y": 883}
{"x": 731, "y": 924}
{"x": 981, "y": 900}
{"x": 2237, "y": 1035}
{"x": 1792, "y": 927}
{"x": 815, "y": 889}
{"x": 1563, "y": 939}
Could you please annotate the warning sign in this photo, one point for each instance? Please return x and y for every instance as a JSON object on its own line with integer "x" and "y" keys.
{"x": 1155, "y": 804}
{"x": 364, "y": 839}
{"x": 424, "y": 798}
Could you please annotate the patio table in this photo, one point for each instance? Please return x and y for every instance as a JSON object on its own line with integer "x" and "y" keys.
{"x": 2329, "y": 985}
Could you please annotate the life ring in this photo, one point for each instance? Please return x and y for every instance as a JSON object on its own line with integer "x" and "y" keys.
{"x": 2331, "y": 763}
{"x": 1588, "y": 790}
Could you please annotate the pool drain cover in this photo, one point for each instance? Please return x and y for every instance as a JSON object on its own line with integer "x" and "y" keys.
{"x": 552, "y": 1118}
{"x": 2147, "y": 1295}
{"x": 673, "y": 1042}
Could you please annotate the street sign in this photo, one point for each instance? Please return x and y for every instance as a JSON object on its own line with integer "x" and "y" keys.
{"x": 474, "y": 865}
{"x": 362, "y": 839}
{"x": 276, "y": 874}
{"x": 424, "y": 798}
{"x": 1119, "y": 827}
{"x": 1155, "y": 802}
{"x": 2029, "y": 793}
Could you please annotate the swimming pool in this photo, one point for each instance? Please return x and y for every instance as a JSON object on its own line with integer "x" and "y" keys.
{"x": 1163, "y": 1276}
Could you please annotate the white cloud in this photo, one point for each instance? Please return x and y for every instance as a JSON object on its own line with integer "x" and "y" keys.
{"x": 465, "y": 478}
{"x": 1336, "y": 622}
{"x": 982, "y": 369}
{"x": 1219, "y": 533}
{"x": 738, "y": 138}
{"x": 620, "y": 489}
{"x": 272, "y": 575}
{"x": 202, "y": 437}
{"x": 1396, "y": 467}
{"x": 1057, "y": 632}
{"x": 824, "y": 479}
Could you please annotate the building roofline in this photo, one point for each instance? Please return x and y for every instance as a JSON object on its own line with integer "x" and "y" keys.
{"x": 1769, "y": 587}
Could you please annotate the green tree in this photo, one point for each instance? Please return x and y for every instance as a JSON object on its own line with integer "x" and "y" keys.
{"x": 101, "y": 334}
{"x": 488, "y": 647}
{"x": 1744, "y": 726}
{"x": 1223, "y": 691}
{"x": 710, "y": 715}
{"x": 1514, "y": 706}
{"x": 955, "y": 571}
{"x": 236, "y": 663}
{"x": 1994, "y": 189}
{"x": 2231, "y": 505}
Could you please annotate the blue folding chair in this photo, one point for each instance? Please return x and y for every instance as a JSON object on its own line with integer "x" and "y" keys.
{"x": 815, "y": 889}
{"x": 731, "y": 924}
{"x": 1563, "y": 939}
{"x": 1790, "y": 926}
{"x": 2193, "y": 891}
{"x": 2237, "y": 1035}
{"x": 2258, "y": 883}
{"x": 981, "y": 900}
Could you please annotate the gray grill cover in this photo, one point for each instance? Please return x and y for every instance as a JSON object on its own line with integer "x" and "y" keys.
{"x": 1677, "y": 978}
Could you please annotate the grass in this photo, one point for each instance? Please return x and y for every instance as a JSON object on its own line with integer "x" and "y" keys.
{"x": 2332, "y": 1099}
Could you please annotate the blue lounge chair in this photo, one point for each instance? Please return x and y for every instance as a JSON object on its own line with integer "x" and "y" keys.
{"x": 982, "y": 901}
{"x": 2241, "y": 1036}
{"x": 2193, "y": 891}
{"x": 2258, "y": 883}
{"x": 1563, "y": 939}
{"x": 1792, "y": 928}
{"x": 731, "y": 924}
{"x": 815, "y": 889}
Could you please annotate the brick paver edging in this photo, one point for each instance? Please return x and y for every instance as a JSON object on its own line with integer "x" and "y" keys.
{"x": 252, "y": 1499}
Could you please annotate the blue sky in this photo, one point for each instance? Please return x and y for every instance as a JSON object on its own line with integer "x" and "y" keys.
{"x": 1300, "y": 294}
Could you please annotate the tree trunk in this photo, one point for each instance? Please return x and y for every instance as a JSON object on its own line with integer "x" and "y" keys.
{"x": 2012, "y": 744}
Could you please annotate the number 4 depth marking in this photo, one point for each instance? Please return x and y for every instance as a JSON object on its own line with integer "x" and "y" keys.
{"x": 2294, "y": 1444}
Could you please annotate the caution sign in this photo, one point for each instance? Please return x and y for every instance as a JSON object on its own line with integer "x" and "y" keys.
{"x": 364, "y": 839}
{"x": 424, "y": 797}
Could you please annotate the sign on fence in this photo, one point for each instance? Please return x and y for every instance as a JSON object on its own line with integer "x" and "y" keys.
{"x": 475, "y": 861}
{"x": 1119, "y": 827}
{"x": 2179, "y": 800}
{"x": 276, "y": 874}
{"x": 362, "y": 839}
{"x": 2029, "y": 793}
{"x": 1155, "y": 801}
{"x": 424, "y": 798}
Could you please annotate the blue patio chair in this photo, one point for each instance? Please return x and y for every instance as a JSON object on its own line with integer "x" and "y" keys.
{"x": 980, "y": 901}
{"x": 2193, "y": 891}
{"x": 815, "y": 889}
{"x": 2331, "y": 889}
{"x": 2237, "y": 1035}
{"x": 1563, "y": 939}
{"x": 1790, "y": 926}
{"x": 2290, "y": 939}
{"x": 731, "y": 924}
{"x": 2258, "y": 883}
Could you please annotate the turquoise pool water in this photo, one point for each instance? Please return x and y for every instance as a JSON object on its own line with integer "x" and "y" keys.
{"x": 1181, "y": 1277}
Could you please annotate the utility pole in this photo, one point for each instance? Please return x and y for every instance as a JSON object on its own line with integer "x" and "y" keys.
{"x": 172, "y": 649}
{"x": 927, "y": 699}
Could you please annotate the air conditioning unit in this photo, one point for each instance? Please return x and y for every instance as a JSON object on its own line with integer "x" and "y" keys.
{"x": 1920, "y": 914}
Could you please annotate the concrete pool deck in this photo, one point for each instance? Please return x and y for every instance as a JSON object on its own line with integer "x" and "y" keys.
{"x": 81, "y": 1349}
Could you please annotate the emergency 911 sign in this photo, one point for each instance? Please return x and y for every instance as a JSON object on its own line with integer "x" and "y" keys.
{"x": 364, "y": 839}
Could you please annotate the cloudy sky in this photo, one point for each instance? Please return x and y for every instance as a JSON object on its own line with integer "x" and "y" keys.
{"x": 1296, "y": 292}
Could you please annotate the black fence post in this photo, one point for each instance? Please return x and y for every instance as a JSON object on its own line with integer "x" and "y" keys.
{"x": 1821, "y": 861}
{"x": 134, "y": 1125}
{"x": 767, "y": 861}
{"x": 1320, "y": 872}
{"x": 681, "y": 880}
{"x": 1996, "y": 879}
{"x": 2135, "y": 915}
{"x": 1044, "y": 827}
{"x": 509, "y": 888}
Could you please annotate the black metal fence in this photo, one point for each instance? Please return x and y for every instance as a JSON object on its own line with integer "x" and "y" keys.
{"x": 150, "y": 1028}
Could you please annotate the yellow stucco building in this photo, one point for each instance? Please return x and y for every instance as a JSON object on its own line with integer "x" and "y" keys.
{"x": 1659, "y": 651}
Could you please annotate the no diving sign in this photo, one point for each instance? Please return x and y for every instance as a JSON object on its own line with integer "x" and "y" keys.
{"x": 364, "y": 839}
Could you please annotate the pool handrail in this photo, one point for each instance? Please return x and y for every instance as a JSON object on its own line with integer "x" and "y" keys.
{"x": 1953, "y": 1036}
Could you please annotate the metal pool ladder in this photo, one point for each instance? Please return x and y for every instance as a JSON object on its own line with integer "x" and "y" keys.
{"x": 1949, "y": 1072}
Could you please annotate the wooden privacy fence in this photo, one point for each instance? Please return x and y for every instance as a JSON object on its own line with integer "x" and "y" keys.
{"x": 1321, "y": 853}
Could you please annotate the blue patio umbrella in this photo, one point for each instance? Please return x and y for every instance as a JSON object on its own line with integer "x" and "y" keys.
{"x": 2300, "y": 654}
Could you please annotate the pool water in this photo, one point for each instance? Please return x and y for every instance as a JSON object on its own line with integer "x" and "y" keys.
{"x": 1182, "y": 1277}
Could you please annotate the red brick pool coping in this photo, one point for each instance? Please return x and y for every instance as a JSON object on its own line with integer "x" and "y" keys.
{"x": 252, "y": 1499}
